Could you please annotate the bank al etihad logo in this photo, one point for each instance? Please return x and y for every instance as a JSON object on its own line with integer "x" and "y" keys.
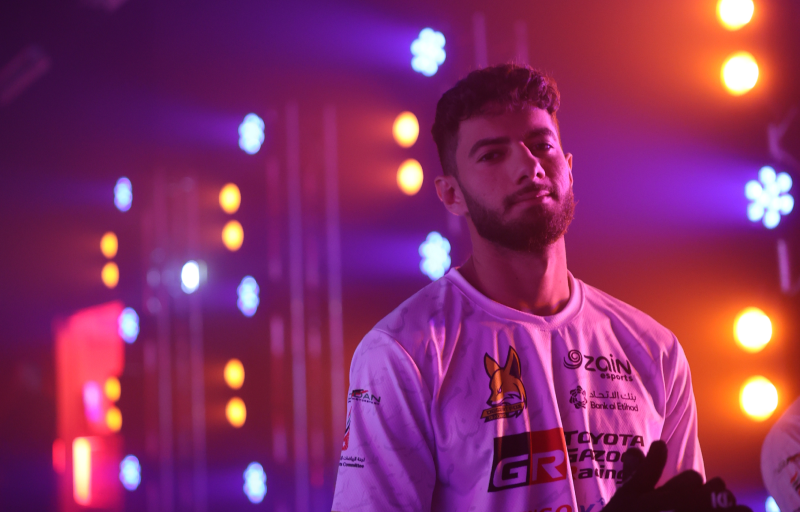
{"x": 577, "y": 397}
{"x": 507, "y": 398}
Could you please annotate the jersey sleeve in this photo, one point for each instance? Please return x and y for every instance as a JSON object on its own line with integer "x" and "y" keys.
{"x": 387, "y": 459}
{"x": 680, "y": 421}
{"x": 780, "y": 460}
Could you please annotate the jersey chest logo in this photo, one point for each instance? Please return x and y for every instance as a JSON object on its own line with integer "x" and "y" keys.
{"x": 507, "y": 393}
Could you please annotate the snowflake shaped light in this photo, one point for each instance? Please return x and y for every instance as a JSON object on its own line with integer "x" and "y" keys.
{"x": 428, "y": 52}
{"x": 251, "y": 134}
{"x": 248, "y": 296}
{"x": 435, "y": 252}
{"x": 770, "y": 197}
{"x": 255, "y": 482}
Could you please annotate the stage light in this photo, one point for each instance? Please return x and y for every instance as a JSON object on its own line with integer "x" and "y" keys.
{"x": 435, "y": 252}
{"x": 236, "y": 412}
{"x": 770, "y": 197}
{"x": 123, "y": 194}
{"x": 409, "y": 177}
{"x": 405, "y": 129}
{"x": 734, "y": 14}
{"x": 771, "y": 505}
{"x": 740, "y": 73}
{"x": 428, "y": 52}
{"x": 248, "y": 296}
{"x": 92, "y": 401}
{"x": 114, "y": 419}
{"x": 128, "y": 325}
{"x": 130, "y": 472}
{"x": 230, "y": 198}
{"x": 110, "y": 274}
{"x": 233, "y": 235}
{"x": 109, "y": 245}
{"x": 251, "y": 134}
{"x": 82, "y": 471}
{"x": 112, "y": 389}
{"x": 752, "y": 329}
{"x": 255, "y": 482}
{"x": 234, "y": 374}
{"x": 758, "y": 398}
{"x": 190, "y": 276}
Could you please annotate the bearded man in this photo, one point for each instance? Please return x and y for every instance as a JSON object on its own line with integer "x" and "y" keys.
{"x": 509, "y": 384}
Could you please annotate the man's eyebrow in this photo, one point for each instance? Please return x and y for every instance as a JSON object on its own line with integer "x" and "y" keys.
{"x": 487, "y": 142}
{"x": 540, "y": 132}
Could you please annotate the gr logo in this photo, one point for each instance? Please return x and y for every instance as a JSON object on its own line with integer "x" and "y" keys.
{"x": 527, "y": 459}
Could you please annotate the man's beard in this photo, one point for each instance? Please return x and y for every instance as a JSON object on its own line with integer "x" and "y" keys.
{"x": 537, "y": 228}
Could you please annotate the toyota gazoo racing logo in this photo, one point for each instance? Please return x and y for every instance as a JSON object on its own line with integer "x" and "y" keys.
{"x": 609, "y": 367}
{"x": 527, "y": 459}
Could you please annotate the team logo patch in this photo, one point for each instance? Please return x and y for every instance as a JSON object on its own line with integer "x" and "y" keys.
{"x": 507, "y": 398}
{"x": 527, "y": 459}
{"x": 577, "y": 397}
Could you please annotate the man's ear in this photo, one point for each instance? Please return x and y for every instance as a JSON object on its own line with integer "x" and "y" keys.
{"x": 568, "y": 157}
{"x": 449, "y": 192}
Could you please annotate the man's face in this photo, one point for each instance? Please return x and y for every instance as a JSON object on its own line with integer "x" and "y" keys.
{"x": 515, "y": 179}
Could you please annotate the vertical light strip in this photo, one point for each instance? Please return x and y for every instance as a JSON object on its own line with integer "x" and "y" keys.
{"x": 197, "y": 364}
{"x": 82, "y": 471}
{"x": 297, "y": 306}
{"x": 479, "y": 40}
{"x": 333, "y": 235}
{"x": 521, "y": 40}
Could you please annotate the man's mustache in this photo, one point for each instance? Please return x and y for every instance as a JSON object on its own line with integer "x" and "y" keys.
{"x": 527, "y": 191}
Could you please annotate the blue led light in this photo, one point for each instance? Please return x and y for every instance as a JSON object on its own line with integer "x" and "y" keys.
{"x": 251, "y": 134}
{"x": 428, "y": 52}
{"x": 123, "y": 194}
{"x": 130, "y": 472}
{"x": 248, "y": 296}
{"x": 435, "y": 252}
{"x": 128, "y": 325}
{"x": 771, "y": 506}
{"x": 190, "y": 276}
{"x": 255, "y": 482}
{"x": 769, "y": 196}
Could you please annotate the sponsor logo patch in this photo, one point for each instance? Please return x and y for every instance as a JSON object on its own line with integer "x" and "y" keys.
{"x": 507, "y": 396}
{"x": 529, "y": 458}
{"x": 608, "y": 367}
{"x": 346, "y": 440}
{"x": 577, "y": 397}
{"x": 363, "y": 395}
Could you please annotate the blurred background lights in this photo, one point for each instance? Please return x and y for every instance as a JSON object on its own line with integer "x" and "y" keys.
{"x": 234, "y": 374}
{"x": 230, "y": 198}
{"x": 255, "y": 482}
{"x": 409, "y": 177}
{"x": 435, "y": 252}
{"x": 130, "y": 472}
{"x": 771, "y": 505}
{"x": 233, "y": 235}
{"x": 190, "y": 276}
{"x": 110, "y": 274}
{"x": 251, "y": 134}
{"x": 128, "y": 325}
{"x": 740, "y": 73}
{"x": 109, "y": 245}
{"x": 405, "y": 129}
{"x": 113, "y": 419}
{"x": 123, "y": 194}
{"x": 248, "y": 296}
{"x": 428, "y": 52}
{"x": 770, "y": 197}
{"x": 734, "y": 14}
{"x": 112, "y": 389}
{"x": 758, "y": 398}
{"x": 752, "y": 329}
{"x": 236, "y": 412}
{"x": 92, "y": 401}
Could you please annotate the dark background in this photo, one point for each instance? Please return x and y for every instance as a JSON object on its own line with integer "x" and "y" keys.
{"x": 662, "y": 153}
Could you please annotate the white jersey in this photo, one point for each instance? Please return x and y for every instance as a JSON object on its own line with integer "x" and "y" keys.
{"x": 780, "y": 460}
{"x": 458, "y": 403}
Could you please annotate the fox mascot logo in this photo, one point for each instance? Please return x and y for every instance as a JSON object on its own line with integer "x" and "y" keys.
{"x": 507, "y": 398}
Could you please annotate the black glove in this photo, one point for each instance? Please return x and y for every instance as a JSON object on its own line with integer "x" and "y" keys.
{"x": 683, "y": 493}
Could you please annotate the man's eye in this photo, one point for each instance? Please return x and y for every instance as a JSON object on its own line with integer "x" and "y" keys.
{"x": 489, "y": 156}
{"x": 544, "y": 146}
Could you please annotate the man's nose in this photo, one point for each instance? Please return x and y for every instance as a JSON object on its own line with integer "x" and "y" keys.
{"x": 527, "y": 165}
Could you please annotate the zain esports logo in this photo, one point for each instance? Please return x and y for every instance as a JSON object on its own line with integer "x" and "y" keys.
{"x": 609, "y": 367}
{"x": 527, "y": 459}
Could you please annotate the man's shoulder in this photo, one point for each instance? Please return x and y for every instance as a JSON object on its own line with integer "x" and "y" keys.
{"x": 603, "y": 307}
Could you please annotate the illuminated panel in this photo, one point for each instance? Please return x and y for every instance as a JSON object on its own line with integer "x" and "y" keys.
{"x": 59, "y": 456}
{"x": 82, "y": 471}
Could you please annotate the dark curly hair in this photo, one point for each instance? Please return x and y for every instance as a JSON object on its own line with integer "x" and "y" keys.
{"x": 496, "y": 89}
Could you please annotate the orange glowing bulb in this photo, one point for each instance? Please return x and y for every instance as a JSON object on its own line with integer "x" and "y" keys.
{"x": 109, "y": 245}
{"x": 233, "y": 235}
{"x": 110, "y": 274}
{"x": 236, "y": 412}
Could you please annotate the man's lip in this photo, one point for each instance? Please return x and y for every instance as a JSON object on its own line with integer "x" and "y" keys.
{"x": 538, "y": 195}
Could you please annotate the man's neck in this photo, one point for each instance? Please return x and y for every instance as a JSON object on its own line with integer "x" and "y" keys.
{"x": 529, "y": 282}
